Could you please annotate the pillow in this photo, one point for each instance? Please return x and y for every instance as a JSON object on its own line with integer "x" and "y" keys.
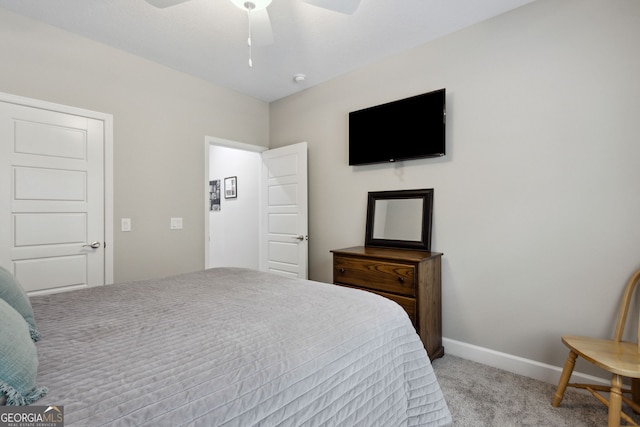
{"x": 14, "y": 294}
{"x": 18, "y": 360}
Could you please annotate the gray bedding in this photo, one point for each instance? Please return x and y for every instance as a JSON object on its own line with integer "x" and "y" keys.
{"x": 233, "y": 347}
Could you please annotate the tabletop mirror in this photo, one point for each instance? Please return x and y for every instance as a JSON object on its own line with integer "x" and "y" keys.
{"x": 399, "y": 219}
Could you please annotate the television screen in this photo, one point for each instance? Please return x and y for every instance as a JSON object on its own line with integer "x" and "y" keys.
{"x": 410, "y": 128}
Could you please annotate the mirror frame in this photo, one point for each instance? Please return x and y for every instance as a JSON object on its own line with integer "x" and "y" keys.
{"x": 426, "y": 195}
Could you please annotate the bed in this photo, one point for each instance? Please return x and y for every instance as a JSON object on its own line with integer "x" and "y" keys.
{"x": 233, "y": 347}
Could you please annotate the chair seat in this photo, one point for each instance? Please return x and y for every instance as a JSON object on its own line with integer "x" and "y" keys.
{"x": 622, "y": 358}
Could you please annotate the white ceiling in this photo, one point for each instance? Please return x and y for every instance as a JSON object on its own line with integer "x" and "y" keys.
{"x": 208, "y": 38}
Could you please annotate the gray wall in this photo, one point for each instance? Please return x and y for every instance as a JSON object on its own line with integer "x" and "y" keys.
{"x": 160, "y": 118}
{"x": 537, "y": 203}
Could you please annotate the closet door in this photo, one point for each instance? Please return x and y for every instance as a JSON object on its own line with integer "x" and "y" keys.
{"x": 52, "y": 210}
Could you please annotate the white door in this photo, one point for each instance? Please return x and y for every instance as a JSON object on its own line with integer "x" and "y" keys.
{"x": 285, "y": 222}
{"x": 52, "y": 211}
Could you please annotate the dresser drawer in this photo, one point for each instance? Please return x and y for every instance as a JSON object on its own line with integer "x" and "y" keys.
{"x": 375, "y": 275}
{"x": 409, "y": 304}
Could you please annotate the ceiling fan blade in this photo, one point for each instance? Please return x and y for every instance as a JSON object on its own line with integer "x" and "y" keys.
{"x": 343, "y": 6}
{"x": 261, "y": 33}
{"x": 165, "y": 3}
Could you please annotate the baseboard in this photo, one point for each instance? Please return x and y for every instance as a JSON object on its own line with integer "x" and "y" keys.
{"x": 515, "y": 364}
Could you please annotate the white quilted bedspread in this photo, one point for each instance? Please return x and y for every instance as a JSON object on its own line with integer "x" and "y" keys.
{"x": 233, "y": 347}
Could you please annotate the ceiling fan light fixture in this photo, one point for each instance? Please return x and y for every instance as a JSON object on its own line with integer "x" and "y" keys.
{"x": 251, "y": 4}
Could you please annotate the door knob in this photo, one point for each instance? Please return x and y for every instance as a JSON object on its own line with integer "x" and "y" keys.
{"x": 93, "y": 245}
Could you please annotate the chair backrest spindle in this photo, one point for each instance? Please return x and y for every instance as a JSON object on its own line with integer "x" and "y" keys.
{"x": 624, "y": 307}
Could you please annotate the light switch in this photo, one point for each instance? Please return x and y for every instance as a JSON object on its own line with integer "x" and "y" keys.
{"x": 125, "y": 224}
{"x": 176, "y": 223}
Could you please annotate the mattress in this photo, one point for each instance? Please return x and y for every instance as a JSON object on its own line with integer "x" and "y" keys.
{"x": 233, "y": 347}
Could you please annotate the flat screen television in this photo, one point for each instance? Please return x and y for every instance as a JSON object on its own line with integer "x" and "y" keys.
{"x": 410, "y": 128}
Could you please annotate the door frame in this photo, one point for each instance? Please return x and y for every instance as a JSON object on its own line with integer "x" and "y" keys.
{"x": 107, "y": 119}
{"x": 220, "y": 142}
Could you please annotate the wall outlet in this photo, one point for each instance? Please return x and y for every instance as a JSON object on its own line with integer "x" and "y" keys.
{"x": 176, "y": 223}
{"x": 125, "y": 224}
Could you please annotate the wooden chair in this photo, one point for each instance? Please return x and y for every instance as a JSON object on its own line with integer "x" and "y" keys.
{"x": 620, "y": 358}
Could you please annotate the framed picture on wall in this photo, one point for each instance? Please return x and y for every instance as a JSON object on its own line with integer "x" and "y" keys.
{"x": 231, "y": 187}
{"x": 214, "y": 195}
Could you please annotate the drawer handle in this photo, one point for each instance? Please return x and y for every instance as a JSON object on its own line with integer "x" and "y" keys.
{"x": 342, "y": 270}
{"x": 401, "y": 279}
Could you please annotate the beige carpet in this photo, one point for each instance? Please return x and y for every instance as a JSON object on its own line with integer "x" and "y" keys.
{"x": 479, "y": 395}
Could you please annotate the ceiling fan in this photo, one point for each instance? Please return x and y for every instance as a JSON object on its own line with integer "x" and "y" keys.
{"x": 259, "y": 23}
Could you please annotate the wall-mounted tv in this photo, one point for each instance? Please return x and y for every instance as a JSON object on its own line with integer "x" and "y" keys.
{"x": 410, "y": 128}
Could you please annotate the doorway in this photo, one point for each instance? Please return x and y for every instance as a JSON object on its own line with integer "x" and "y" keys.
{"x": 233, "y": 221}
{"x": 277, "y": 207}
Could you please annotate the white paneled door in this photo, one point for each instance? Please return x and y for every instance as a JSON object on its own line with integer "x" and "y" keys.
{"x": 52, "y": 232}
{"x": 285, "y": 223}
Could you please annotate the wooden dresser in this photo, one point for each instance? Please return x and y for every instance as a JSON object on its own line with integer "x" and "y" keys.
{"x": 409, "y": 277}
